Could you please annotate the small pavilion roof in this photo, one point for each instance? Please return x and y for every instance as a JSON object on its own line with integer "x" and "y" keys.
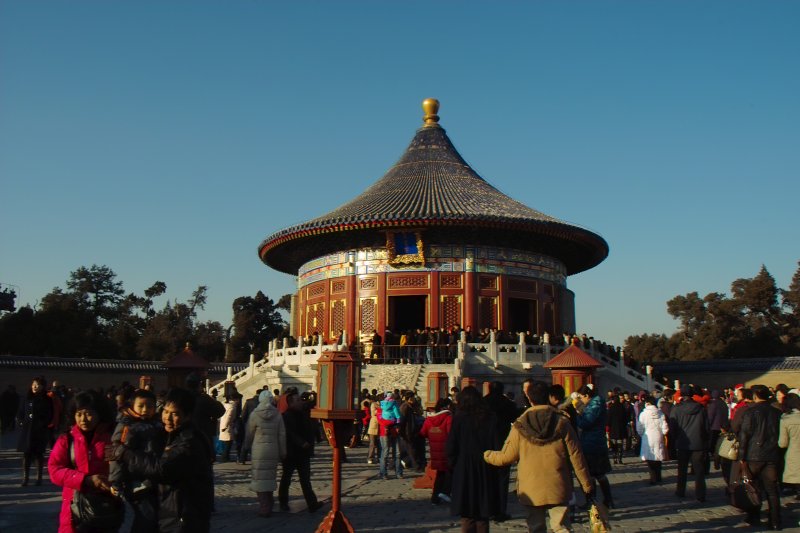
{"x": 572, "y": 357}
{"x": 187, "y": 359}
{"x": 432, "y": 186}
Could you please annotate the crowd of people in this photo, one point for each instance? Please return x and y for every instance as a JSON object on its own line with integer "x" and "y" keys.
{"x": 156, "y": 452}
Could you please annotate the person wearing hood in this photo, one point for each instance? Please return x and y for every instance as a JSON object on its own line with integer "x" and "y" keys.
{"x": 265, "y": 439}
{"x": 544, "y": 443}
{"x": 436, "y": 428}
{"x": 652, "y": 426}
{"x": 688, "y": 423}
{"x": 592, "y": 423}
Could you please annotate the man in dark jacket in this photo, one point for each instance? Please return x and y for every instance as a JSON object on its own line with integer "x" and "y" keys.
{"x": 759, "y": 452}
{"x": 182, "y": 471}
{"x": 505, "y": 413}
{"x": 300, "y": 439}
{"x": 688, "y": 424}
{"x": 717, "y": 411}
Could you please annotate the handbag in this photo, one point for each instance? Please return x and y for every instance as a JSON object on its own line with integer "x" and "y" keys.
{"x": 728, "y": 447}
{"x": 744, "y": 494}
{"x": 94, "y": 511}
{"x": 598, "y": 517}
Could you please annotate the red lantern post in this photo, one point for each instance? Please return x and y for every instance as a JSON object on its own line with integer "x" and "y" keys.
{"x": 338, "y": 379}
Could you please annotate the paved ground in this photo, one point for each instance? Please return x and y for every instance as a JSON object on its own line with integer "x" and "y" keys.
{"x": 392, "y": 505}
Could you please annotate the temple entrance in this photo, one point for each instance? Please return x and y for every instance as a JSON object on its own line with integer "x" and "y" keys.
{"x": 522, "y": 315}
{"x": 407, "y": 312}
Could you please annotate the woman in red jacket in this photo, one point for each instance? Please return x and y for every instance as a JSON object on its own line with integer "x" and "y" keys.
{"x": 435, "y": 429}
{"x": 85, "y": 469}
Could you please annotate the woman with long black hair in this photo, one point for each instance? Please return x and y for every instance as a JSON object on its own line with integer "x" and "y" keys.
{"x": 475, "y": 484}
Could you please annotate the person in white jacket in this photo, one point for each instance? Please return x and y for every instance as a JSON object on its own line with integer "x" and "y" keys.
{"x": 652, "y": 426}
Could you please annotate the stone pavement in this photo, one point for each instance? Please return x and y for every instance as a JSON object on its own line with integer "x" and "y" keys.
{"x": 393, "y": 505}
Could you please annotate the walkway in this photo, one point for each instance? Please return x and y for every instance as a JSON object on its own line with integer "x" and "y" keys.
{"x": 392, "y": 505}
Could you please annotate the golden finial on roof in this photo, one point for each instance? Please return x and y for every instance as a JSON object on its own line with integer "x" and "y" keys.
{"x": 431, "y": 107}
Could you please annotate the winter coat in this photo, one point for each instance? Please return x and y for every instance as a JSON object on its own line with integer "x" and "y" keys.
{"x": 617, "y": 421}
{"x": 436, "y": 428}
{"x": 547, "y": 448}
{"x": 475, "y": 484}
{"x": 227, "y": 422}
{"x": 592, "y": 423}
{"x": 386, "y": 428}
{"x": 688, "y": 425}
{"x": 206, "y": 414}
{"x": 789, "y": 438}
{"x": 186, "y": 483}
{"x": 717, "y": 411}
{"x": 652, "y": 426}
{"x": 300, "y": 430}
{"x": 266, "y": 438}
{"x": 35, "y": 414}
{"x": 374, "y": 427}
{"x": 136, "y": 433}
{"x": 758, "y": 438}
{"x": 89, "y": 460}
{"x": 505, "y": 413}
{"x": 390, "y": 411}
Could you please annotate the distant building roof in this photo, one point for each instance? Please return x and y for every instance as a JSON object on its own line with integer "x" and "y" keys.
{"x": 187, "y": 359}
{"x": 432, "y": 187}
{"x": 64, "y": 363}
{"x": 572, "y": 357}
{"x": 728, "y": 365}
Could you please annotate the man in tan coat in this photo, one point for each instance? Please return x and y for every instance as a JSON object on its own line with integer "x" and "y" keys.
{"x": 545, "y": 444}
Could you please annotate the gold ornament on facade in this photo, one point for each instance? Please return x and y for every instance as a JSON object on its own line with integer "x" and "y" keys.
{"x": 396, "y": 257}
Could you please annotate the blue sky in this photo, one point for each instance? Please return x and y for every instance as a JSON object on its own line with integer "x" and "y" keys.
{"x": 167, "y": 139}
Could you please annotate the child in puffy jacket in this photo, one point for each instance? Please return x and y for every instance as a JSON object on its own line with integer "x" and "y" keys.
{"x": 389, "y": 410}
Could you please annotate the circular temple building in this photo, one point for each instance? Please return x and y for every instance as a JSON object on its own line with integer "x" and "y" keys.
{"x": 432, "y": 244}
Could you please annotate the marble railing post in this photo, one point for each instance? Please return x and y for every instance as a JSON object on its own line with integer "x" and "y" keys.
{"x": 230, "y": 373}
{"x": 649, "y": 370}
{"x": 546, "y": 351}
{"x": 522, "y": 348}
{"x": 493, "y": 346}
{"x": 252, "y": 366}
{"x": 622, "y": 363}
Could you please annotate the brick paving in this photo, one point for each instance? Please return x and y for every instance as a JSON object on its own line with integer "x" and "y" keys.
{"x": 393, "y": 505}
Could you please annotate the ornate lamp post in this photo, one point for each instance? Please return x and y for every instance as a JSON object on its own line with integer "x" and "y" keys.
{"x": 338, "y": 379}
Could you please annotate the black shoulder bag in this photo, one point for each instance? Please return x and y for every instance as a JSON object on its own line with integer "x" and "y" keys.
{"x": 94, "y": 511}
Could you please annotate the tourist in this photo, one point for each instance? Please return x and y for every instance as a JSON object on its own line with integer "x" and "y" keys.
{"x": 300, "y": 440}
{"x": 247, "y": 409}
{"x": 78, "y": 461}
{"x": 408, "y": 431}
{"x": 557, "y": 398}
{"x": 789, "y": 438}
{"x": 388, "y": 438}
{"x": 373, "y": 430}
{"x": 265, "y": 440}
{"x": 717, "y": 411}
{"x": 138, "y": 428}
{"x": 652, "y": 427}
{"x": 35, "y": 415}
{"x": 538, "y": 441}
{"x": 760, "y": 454}
{"x": 475, "y": 484}
{"x": 592, "y": 425}
{"x": 227, "y": 426}
{"x": 207, "y": 411}
{"x": 183, "y": 470}
{"x": 617, "y": 427}
{"x": 688, "y": 423}
{"x": 436, "y": 428}
{"x": 505, "y": 413}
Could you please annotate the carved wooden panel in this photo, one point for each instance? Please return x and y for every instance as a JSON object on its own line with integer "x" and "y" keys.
{"x": 408, "y": 282}
{"x": 521, "y": 285}
{"x": 488, "y": 282}
{"x": 369, "y": 283}
{"x": 451, "y": 311}
{"x": 367, "y": 315}
{"x": 337, "y": 317}
{"x": 315, "y": 318}
{"x": 317, "y": 289}
{"x": 450, "y": 281}
{"x": 488, "y": 312}
{"x": 337, "y": 286}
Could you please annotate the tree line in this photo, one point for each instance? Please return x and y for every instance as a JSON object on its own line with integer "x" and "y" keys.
{"x": 95, "y": 318}
{"x": 757, "y": 319}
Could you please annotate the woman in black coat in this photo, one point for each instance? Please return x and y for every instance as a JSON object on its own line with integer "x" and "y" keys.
{"x": 475, "y": 484}
{"x": 618, "y": 419}
{"x": 35, "y": 414}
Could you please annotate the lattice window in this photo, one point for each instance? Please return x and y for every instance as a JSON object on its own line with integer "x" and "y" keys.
{"x": 488, "y": 282}
{"x": 367, "y": 315}
{"x": 315, "y": 318}
{"x": 337, "y": 317}
{"x": 488, "y": 310}
{"x": 318, "y": 289}
{"x": 521, "y": 285}
{"x": 337, "y": 286}
{"x": 451, "y": 311}
{"x": 369, "y": 283}
{"x": 450, "y": 281}
{"x": 408, "y": 282}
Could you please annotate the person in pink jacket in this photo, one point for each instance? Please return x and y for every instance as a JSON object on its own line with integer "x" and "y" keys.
{"x": 89, "y": 471}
